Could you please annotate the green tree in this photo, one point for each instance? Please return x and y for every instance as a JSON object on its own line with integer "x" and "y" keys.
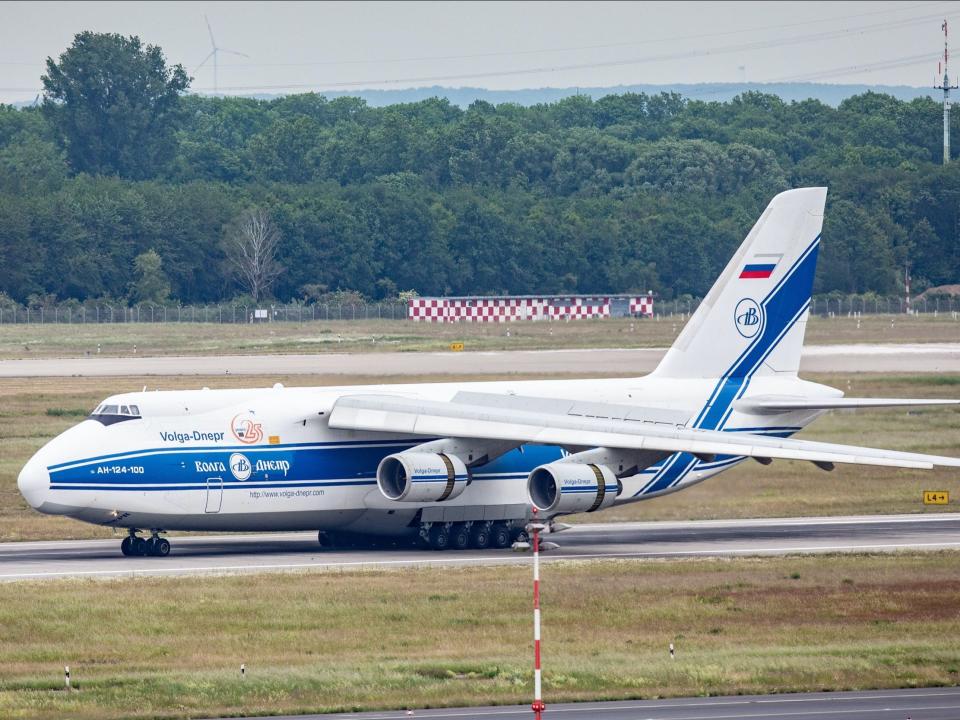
{"x": 114, "y": 104}
{"x": 151, "y": 284}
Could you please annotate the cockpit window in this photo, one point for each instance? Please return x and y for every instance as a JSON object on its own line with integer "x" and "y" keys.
{"x": 110, "y": 414}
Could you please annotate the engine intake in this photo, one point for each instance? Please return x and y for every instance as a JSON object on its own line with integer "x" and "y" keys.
{"x": 421, "y": 477}
{"x": 566, "y": 487}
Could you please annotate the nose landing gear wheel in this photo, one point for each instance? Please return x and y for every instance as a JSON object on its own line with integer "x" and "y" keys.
{"x": 158, "y": 547}
{"x": 135, "y": 546}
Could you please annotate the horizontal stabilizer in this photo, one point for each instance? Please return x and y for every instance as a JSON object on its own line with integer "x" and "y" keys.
{"x": 773, "y": 405}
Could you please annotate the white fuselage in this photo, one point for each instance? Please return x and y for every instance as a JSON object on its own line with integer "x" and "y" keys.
{"x": 266, "y": 459}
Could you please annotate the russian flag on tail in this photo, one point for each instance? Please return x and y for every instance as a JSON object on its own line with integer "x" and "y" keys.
{"x": 760, "y": 267}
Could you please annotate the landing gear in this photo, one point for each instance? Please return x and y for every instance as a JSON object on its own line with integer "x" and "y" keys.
{"x": 480, "y": 535}
{"x": 439, "y": 537}
{"x": 500, "y": 535}
{"x": 459, "y": 536}
{"x": 158, "y": 546}
{"x": 135, "y": 546}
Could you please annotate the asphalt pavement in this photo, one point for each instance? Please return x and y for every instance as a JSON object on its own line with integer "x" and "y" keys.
{"x": 278, "y": 552}
{"x": 932, "y": 357}
{"x": 913, "y": 704}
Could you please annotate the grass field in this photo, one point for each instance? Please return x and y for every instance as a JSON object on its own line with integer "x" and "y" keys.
{"x": 172, "y": 648}
{"x": 20, "y": 341}
{"x": 34, "y": 410}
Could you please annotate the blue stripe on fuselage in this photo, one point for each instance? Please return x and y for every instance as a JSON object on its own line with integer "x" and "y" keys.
{"x": 333, "y": 463}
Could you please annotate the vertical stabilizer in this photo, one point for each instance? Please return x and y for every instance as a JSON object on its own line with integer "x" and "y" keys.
{"x": 753, "y": 319}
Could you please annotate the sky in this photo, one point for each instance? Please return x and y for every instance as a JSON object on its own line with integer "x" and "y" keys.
{"x": 296, "y": 47}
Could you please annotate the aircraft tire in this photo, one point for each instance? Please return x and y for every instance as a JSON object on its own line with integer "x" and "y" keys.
{"x": 160, "y": 547}
{"x": 459, "y": 537}
{"x": 480, "y": 536}
{"x": 126, "y": 547}
{"x": 500, "y": 535}
{"x": 439, "y": 537}
{"x": 140, "y": 547}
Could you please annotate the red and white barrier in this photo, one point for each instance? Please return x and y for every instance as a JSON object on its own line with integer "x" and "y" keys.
{"x": 642, "y": 305}
{"x": 480, "y": 309}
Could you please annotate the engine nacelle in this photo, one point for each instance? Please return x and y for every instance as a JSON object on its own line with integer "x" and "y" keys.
{"x": 566, "y": 487}
{"x": 421, "y": 477}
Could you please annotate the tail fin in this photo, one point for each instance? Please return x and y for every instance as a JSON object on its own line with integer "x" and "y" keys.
{"x": 753, "y": 319}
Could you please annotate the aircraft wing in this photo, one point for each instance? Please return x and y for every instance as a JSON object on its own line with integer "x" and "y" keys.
{"x": 496, "y": 417}
{"x": 775, "y": 404}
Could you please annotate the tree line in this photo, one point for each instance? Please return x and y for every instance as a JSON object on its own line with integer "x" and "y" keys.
{"x": 122, "y": 186}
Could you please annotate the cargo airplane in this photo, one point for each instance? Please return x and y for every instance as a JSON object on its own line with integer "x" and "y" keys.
{"x": 461, "y": 464}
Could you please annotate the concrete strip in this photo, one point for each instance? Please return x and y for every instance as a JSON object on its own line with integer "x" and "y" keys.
{"x": 941, "y": 357}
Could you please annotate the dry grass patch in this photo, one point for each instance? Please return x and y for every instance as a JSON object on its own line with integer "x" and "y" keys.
{"x": 414, "y": 637}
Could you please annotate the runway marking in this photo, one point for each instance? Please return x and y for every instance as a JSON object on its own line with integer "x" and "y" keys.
{"x": 507, "y": 559}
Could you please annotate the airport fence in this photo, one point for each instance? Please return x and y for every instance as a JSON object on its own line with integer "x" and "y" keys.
{"x": 73, "y": 313}
{"x": 93, "y": 313}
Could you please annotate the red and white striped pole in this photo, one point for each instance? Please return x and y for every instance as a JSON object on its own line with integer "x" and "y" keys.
{"x": 538, "y": 706}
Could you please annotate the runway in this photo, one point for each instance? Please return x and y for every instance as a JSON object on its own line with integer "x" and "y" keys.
{"x": 934, "y": 357}
{"x": 918, "y": 704}
{"x": 279, "y": 552}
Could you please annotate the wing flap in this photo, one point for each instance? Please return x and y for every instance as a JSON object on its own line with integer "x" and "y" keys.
{"x": 383, "y": 413}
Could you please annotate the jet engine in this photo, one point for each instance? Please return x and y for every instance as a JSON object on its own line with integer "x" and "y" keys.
{"x": 569, "y": 487}
{"x": 421, "y": 477}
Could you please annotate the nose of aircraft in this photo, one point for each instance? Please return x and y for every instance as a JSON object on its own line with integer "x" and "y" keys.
{"x": 34, "y": 481}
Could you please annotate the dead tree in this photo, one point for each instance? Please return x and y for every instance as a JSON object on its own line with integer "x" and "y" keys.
{"x": 252, "y": 252}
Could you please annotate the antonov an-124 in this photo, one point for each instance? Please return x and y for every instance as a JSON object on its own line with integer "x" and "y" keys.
{"x": 462, "y": 464}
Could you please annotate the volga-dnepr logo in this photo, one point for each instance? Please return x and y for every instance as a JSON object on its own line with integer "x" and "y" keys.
{"x": 240, "y": 466}
{"x": 748, "y": 317}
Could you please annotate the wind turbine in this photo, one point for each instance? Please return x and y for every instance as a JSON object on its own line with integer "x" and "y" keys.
{"x": 214, "y": 53}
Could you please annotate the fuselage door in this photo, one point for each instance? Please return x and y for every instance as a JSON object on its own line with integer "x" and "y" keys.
{"x": 214, "y": 494}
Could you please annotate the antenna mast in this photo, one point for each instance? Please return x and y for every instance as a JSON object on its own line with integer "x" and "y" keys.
{"x": 946, "y": 87}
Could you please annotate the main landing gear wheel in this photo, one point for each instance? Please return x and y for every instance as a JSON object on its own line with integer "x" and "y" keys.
{"x": 126, "y": 547}
{"x": 480, "y": 536}
{"x": 500, "y": 536}
{"x": 439, "y": 537}
{"x": 459, "y": 537}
